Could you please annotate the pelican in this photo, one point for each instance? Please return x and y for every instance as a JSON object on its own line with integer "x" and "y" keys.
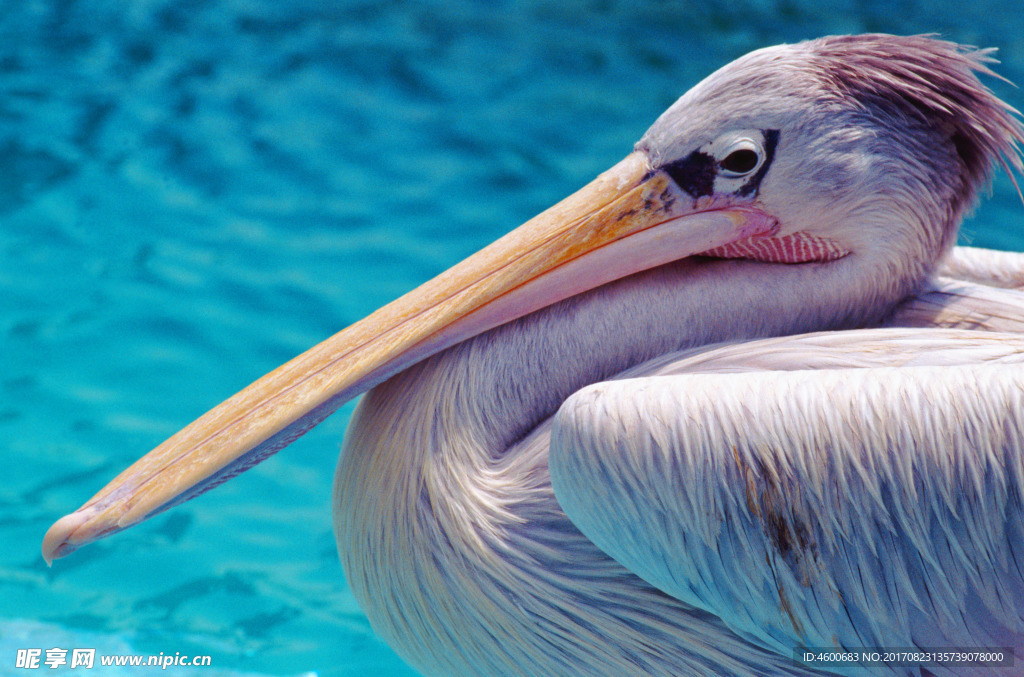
{"x": 736, "y": 397}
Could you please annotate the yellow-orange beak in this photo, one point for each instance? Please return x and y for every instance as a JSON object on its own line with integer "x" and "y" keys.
{"x": 628, "y": 219}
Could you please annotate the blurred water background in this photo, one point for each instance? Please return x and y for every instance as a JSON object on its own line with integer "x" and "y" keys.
{"x": 194, "y": 191}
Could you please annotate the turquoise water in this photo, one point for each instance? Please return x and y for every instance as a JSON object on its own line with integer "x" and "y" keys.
{"x": 193, "y": 192}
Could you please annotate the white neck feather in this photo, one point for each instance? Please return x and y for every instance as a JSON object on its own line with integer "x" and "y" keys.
{"x": 447, "y": 525}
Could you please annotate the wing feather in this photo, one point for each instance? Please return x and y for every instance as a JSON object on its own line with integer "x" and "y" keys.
{"x": 811, "y": 505}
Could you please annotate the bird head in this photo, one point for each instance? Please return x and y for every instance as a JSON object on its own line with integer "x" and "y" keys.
{"x": 849, "y": 151}
{"x": 870, "y": 145}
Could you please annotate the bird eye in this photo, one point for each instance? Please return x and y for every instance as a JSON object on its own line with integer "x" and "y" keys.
{"x": 742, "y": 159}
{"x": 739, "y": 161}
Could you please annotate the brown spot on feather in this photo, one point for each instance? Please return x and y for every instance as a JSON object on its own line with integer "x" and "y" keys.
{"x": 788, "y": 533}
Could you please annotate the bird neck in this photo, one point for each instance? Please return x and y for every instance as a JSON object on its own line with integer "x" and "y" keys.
{"x": 446, "y": 522}
{"x": 517, "y": 375}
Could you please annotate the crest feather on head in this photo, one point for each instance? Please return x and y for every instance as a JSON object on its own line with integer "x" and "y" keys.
{"x": 935, "y": 81}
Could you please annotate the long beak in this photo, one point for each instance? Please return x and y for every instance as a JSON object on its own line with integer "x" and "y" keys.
{"x": 628, "y": 219}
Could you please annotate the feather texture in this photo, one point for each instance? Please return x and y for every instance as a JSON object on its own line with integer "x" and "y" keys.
{"x": 860, "y": 507}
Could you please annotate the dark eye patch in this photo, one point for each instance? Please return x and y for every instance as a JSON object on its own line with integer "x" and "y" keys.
{"x": 695, "y": 173}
